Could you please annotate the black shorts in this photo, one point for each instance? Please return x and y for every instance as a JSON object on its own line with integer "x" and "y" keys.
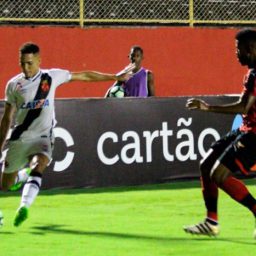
{"x": 237, "y": 151}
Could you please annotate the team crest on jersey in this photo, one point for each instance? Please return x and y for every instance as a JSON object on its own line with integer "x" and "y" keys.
{"x": 45, "y": 86}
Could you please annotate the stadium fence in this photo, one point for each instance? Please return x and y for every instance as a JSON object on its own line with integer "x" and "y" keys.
{"x": 133, "y": 12}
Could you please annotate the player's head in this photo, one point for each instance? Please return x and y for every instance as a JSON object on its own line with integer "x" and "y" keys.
{"x": 136, "y": 55}
{"x": 29, "y": 59}
{"x": 246, "y": 47}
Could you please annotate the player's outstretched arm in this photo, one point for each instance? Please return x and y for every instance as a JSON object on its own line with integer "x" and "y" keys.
{"x": 91, "y": 76}
{"x": 241, "y": 106}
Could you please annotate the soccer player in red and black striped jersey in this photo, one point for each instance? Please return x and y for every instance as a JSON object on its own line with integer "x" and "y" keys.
{"x": 234, "y": 152}
{"x": 30, "y": 99}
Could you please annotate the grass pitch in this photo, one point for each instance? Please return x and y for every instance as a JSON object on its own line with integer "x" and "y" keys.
{"x": 127, "y": 221}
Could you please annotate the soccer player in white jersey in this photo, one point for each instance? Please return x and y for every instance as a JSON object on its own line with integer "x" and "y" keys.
{"x": 30, "y": 99}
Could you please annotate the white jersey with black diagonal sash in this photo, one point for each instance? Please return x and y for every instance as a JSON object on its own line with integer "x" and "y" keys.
{"x": 34, "y": 101}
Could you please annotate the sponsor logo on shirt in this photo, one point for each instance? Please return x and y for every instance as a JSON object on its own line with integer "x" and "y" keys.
{"x": 35, "y": 104}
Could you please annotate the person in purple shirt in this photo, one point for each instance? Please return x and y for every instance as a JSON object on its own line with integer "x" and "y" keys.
{"x": 141, "y": 84}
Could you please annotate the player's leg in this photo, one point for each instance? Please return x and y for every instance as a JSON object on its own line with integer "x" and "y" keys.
{"x": 31, "y": 187}
{"x": 33, "y": 184}
{"x": 14, "y": 160}
{"x": 210, "y": 195}
{"x": 239, "y": 156}
{"x": 209, "y": 188}
{"x": 234, "y": 187}
{"x": 21, "y": 178}
{"x": 210, "y": 225}
{"x": 40, "y": 153}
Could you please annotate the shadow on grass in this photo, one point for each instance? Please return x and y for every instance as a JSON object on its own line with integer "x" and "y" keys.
{"x": 149, "y": 187}
{"x": 2, "y": 233}
{"x": 63, "y": 230}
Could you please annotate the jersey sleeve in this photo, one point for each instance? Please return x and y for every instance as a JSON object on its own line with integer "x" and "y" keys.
{"x": 9, "y": 94}
{"x": 60, "y": 76}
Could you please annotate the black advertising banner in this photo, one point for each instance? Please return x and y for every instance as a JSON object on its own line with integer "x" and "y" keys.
{"x": 130, "y": 141}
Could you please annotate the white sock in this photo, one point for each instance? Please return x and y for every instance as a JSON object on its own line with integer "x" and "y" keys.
{"x": 30, "y": 190}
{"x": 22, "y": 176}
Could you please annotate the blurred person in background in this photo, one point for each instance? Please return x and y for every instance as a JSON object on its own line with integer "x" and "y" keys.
{"x": 141, "y": 84}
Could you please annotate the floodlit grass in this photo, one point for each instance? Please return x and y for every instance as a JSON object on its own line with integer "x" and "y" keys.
{"x": 128, "y": 221}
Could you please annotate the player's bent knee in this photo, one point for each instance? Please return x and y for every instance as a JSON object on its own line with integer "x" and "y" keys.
{"x": 207, "y": 163}
{"x": 219, "y": 174}
{"x": 39, "y": 163}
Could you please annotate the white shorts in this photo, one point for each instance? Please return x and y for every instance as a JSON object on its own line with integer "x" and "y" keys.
{"x": 19, "y": 152}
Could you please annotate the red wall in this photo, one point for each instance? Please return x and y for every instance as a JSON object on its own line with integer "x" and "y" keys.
{"x": 185, "y": 61}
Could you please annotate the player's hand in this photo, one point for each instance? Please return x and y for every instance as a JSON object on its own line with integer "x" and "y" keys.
{"x": 126, "y": 73}
{"x": 197, "y": 104}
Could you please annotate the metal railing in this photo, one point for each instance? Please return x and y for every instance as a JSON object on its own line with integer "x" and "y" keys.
{"x": 98, "y": 12}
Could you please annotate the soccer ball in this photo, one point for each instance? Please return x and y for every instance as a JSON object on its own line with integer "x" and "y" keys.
{"x": 116, "y": 92}
{"x": 1, "y": 219}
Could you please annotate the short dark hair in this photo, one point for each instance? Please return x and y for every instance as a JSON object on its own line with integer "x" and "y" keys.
{"x": 246, "y": 36}
{"x": 137, "y": 48}
{"x": 29, "y": 48}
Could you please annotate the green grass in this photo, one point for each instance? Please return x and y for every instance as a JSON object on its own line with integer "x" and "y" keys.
{"x": 128, "y": 221}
